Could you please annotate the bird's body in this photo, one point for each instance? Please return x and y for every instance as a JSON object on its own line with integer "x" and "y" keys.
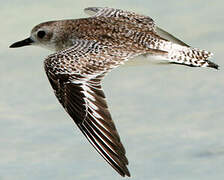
{"x": 86, "y": 50}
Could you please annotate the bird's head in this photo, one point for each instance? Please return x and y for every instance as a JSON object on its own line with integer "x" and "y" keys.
{"x": 47, "y": 35}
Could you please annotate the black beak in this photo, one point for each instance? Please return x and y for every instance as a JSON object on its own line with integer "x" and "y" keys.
{"x": 24, "y": 42}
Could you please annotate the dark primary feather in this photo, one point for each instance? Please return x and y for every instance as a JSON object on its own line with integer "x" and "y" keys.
{"x": 78, "y": 88}
{"x": 96, "y": 124}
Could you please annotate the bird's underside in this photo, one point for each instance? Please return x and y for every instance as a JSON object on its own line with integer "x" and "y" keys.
{"x": 92, "y": 47}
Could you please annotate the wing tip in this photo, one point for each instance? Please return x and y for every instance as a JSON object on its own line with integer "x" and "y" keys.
{"x": 117, "y": 163}
{"x": 126, "y": 173}
{"x": 123, "y": 171}
{"x": 92, "y": 10}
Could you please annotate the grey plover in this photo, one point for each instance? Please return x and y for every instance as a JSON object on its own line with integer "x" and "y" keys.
{"x": 86, "y": 50}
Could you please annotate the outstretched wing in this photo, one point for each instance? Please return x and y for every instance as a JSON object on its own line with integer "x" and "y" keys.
{"x": 144, "y": 22}
{"x": 165, "y": 35}
{"x": 141, "y": 20}
{"x": 75, "y": 75}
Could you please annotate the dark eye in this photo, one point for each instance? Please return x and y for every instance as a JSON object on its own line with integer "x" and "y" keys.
{"x": 41, "y": 34}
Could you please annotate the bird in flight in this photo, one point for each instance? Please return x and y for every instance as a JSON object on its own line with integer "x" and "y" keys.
{"x": 86, "y": 49}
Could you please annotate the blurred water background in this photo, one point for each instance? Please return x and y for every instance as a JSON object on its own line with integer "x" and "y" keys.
{"x": 170, "y": 117}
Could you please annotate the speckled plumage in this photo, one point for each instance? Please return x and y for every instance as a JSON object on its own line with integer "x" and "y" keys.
{"x": 86, "y": 50}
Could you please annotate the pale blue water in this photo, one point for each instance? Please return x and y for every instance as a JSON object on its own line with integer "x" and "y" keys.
{"x": 170, "y": 118}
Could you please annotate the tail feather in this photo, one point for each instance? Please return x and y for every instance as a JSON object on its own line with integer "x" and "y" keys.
{"x": 191, "y": 57}
{"x": 212, "y": 65}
